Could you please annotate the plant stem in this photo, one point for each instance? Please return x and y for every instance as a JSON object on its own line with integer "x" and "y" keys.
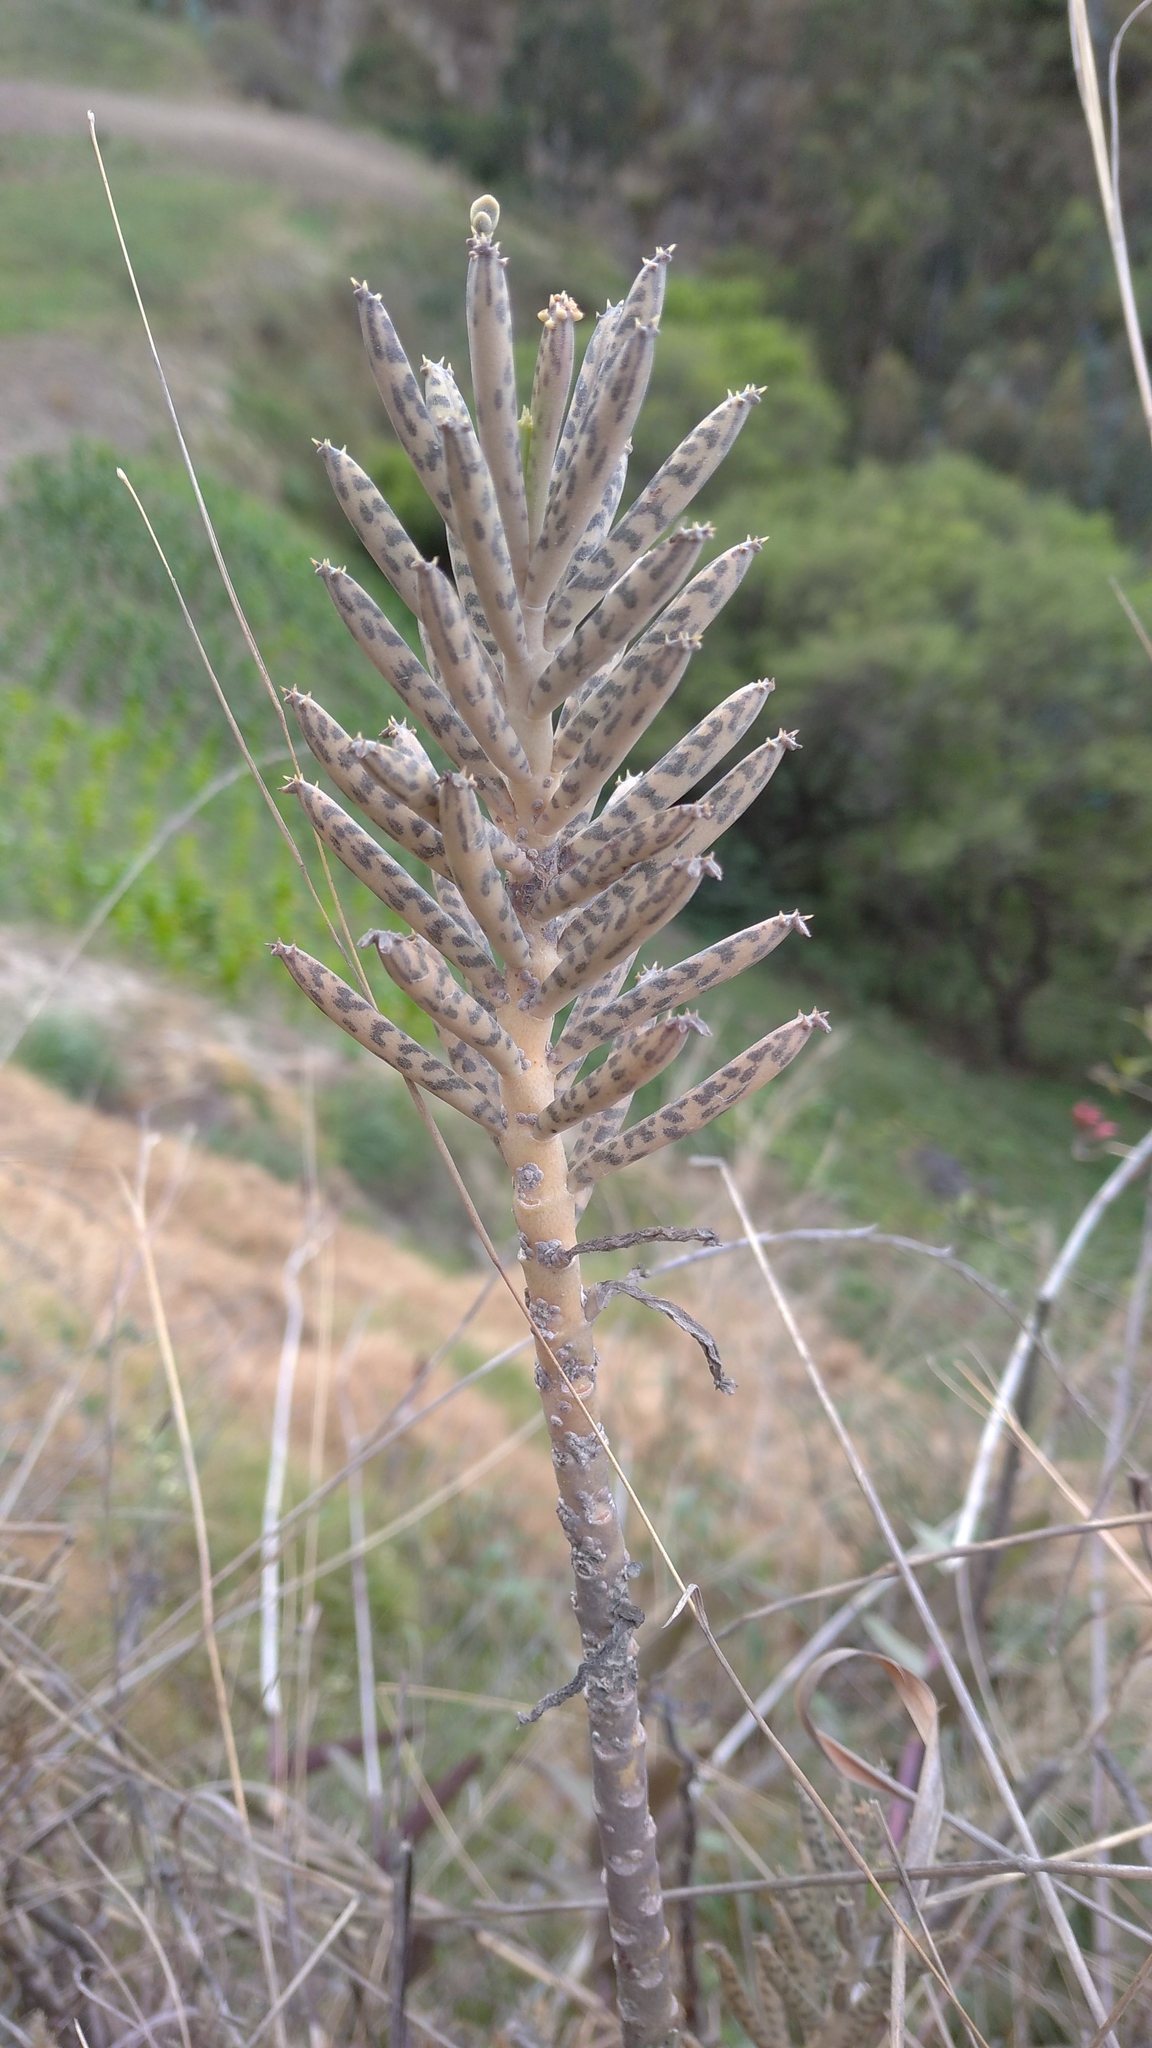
{"x": 566, "y": 1377}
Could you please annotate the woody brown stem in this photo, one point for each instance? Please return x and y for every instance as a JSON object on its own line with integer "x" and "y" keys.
{"x": 566, "y": 1377}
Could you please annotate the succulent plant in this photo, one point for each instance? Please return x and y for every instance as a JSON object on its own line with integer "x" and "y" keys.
{"x": 551, "y": 640}
{"x": 823, "y": 1978}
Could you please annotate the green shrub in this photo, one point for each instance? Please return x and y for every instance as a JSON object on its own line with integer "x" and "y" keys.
{"x": 74, "y": 1053}
{"x": 969, "y": 817}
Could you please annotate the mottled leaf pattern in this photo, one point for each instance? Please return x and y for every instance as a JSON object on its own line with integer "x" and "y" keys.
{"x": 366, "y": 1025}
{"x": 372, "y": 518}
{"x": 559, "y": 634}
{"x": 494, "y": 385}
{"x": 700, "y": 1106}
{"x": 637, "y": 1059}
{"x": 416, "y": 968}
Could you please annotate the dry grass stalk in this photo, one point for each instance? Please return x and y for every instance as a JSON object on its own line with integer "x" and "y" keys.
{"x": 511, "y": 941}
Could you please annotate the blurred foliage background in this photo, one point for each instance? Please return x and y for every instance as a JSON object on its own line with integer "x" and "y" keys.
{"x": 884, "y": 216}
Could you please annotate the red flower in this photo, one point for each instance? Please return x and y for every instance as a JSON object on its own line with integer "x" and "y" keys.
{"x": 1087, "y": 1117}
{"x": 1105, "y": 1130}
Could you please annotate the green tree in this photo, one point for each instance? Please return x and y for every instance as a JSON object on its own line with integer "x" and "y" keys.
{"x": 970, "y": 817}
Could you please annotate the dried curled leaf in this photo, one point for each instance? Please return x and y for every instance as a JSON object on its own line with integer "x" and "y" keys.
{"x": 597, "y": 1298}
{"x": 919, "y": 1702}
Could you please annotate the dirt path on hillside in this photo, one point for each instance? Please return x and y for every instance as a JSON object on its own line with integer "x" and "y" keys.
{"x": 55, "y": 386}
{"x": 310, "y": 157}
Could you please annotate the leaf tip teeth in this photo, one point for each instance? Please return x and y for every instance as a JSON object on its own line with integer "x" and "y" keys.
{"x": 815, "y": 1020}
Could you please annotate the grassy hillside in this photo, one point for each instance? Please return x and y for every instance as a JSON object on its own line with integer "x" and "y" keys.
{"x": 898, "y": 573}
{"x": 102, "y": 42}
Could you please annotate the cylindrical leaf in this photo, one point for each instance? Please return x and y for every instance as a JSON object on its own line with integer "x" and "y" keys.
{"x": 593, "y": 537}
{"x": 549, "y": 397}
{"x": 729, "y": 798}
{"x": 593, "y": 869}
{"x": 614, "y": 923}
{"x": 709, "y": 591}
{"x": 645, "y": 300}
{"x": 625, "y": 611}
{"x": 422, "y": 974}
{"x": 584, "y": 712}
{"x": 469, "y": 856}
{"x": 603, "y": 990}
{"x": 443, "y": 395}
{"x": 467, "y": 675}
{"x": 494, "y": 389}
{"x": 664, "y": 988}
{"x": 449, "y": 898}
{"x": 471, "y": 1066}
{"x": 637, "y": 1060}
{"x": 366, "y": 1025}
{"x": 399, "y": 764}
{"x": 470, "y": 596}
{"x": 390, "y": 653}
{"x": 599, "y": 342}
{"x": 597, "y": 1131}
{"x": 701, "y": 1105}
{"x": 396, "y": 382}
{"x": 483, "y": 540}
{"x": 687, "y": 763}
{"x": 395, "y": 887}
{"x": 374, "y": 520}
{"x": 578, "y": 487}
{"x": 642, "y": 685}
{"x": 670, "y": 492}
{"x": 341, "y": 756}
